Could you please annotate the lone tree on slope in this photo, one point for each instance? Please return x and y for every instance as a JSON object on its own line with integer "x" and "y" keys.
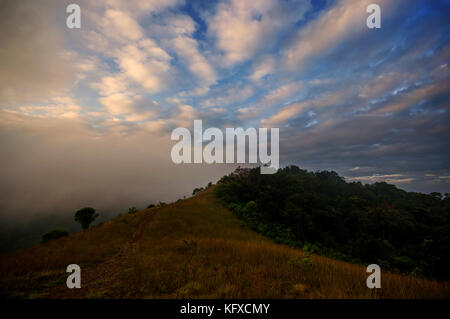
{"x": 85, "y": 216}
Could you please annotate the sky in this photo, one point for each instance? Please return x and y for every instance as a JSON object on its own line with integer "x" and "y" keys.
{"x": 86, "y": 114}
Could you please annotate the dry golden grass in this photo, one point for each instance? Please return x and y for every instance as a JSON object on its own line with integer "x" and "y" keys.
{"x": 25, "y": 273}
{"x": 197, "y": 249}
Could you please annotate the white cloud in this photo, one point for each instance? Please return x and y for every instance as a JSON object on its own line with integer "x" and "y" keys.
{"x": 96, "y": 41}
{"x": 388, "y": 178}
{"x": 218, "y": 110}
{"x": 230, "y": 95}
{"x": 347, "y": 19}
{"x": 111, "y": 84}
{"x": 121, "y": 27}
{"x": 270, "y": 99}
{"x": 286, "y": 113}
{"x": 195, "y": 92}
{"x": 184, "y": 116}
{"x": 118, "y": 103}
{"x": 265, "y": 67}
{"x": 174, "y": 100}
{"x": 133, "y": 108}
{"x": 326, "y": 99}
{"x": 241, "y": 28}
{"x": 384, "y": 83}
{"x": 177, "y": 25}
{"x": 411, "y": 97}
{"x": 175, "y": 32}
{"x": 186, "y": 47}
{"x": 140, "y": 66}
{"x": 139, "y": 8}
{"x": 57, "y": 107}
{"x": 117, "y": 34}
{"x": 155, "y": 126}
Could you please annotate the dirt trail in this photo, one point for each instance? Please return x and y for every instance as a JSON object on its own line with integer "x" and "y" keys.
{"x": 93, "y": 279}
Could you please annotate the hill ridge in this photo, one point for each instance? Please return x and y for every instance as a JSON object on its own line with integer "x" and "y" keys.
{"x": 193, "y": 248}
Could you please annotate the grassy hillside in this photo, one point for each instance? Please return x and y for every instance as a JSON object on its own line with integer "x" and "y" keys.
{"x": 194, "y": 248}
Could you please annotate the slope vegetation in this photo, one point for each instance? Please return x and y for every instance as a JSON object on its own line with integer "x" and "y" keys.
{"x": 193, "y": 248}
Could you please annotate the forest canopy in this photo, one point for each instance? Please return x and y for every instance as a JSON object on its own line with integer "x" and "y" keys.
{"x": 379, "y": 223}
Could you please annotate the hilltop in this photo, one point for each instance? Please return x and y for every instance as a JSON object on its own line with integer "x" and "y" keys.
{"x": 405, "y": 232}
{"x": 193, "y": 248}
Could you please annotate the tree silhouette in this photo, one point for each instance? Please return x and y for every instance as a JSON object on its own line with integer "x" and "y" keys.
{"x": 85, "y": 216}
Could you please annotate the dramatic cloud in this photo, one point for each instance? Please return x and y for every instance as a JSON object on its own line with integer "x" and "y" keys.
{"x": 85, "y": 114}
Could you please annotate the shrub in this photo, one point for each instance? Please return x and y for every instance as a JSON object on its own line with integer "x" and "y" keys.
{"x": 197, "y": 190}
{"x": 132, "y": 210}
{"x": 54, "y": 234}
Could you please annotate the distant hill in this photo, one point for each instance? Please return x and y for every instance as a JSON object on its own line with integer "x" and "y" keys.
{"x": 193, "y": 248}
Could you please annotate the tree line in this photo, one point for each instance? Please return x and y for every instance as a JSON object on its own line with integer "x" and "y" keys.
{"x": 379, "y": 223}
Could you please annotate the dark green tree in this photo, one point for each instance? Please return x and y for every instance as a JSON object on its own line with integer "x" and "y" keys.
{"x": 85, "y": 216}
